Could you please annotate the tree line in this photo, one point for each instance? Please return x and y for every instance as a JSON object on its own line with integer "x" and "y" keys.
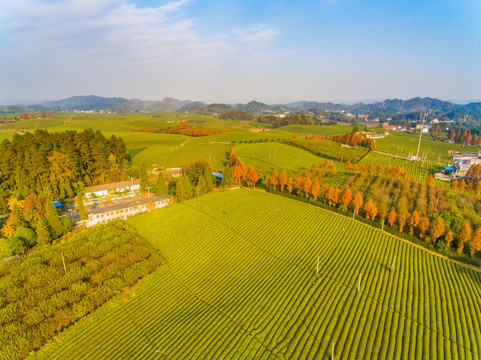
{"x": 183, "y": 129}
{"x": 393, "y": 198}
{"x": 58, "y": 165}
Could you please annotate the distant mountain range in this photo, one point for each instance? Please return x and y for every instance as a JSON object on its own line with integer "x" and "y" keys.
{"x": 387, "y": 107}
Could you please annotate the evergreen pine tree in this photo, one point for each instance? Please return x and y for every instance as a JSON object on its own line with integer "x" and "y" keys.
{"x": 43, "y": 233}
{"x": 187, "y": 186}
{"x": 53, "y": 221}
{"x": 161, "y": 187}
{"x": 144, "y": 180}
{"x": 201, "y": 188}
{"x": 81, "y": 208}
{"x": 180, "y": 192}
{"x": 208, "y": 180}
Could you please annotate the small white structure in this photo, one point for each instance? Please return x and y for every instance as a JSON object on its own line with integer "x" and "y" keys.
{"x": 174, "y": 172}
{"x": 373, "y": 135}
{"x": 103, "y": 190}
{"x": 101, "y": 215}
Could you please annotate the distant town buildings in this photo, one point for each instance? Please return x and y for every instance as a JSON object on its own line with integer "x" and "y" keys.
{"x": 386, "y": 126}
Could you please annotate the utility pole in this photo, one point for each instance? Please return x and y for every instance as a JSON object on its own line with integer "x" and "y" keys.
{"x": 63, "y": 261}
{"x": 148, "y": 191}
{"x": 131, "y": 182}
{"x": 420, "y": 135}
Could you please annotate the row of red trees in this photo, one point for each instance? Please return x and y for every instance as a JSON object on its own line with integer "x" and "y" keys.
{"x": 183, "y": 129}
{"x": 464, "y": 136}
{"x": 240, "y": 173}
{"x": 32, "y": 115}
{"x": 352, "y": 139}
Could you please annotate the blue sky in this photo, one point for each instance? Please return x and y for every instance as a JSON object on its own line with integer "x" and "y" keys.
{"x": 235, "y": 51}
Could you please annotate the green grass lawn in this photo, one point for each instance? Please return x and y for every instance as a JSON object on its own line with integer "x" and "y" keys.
{"x": 240, "y": 282}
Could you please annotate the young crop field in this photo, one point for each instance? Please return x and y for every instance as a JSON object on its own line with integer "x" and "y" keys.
{"x": 240, "y": 282}
{"x": 403, "y": 144}
{"x": 183, "y": 155}
{"x": 274, "y": 155}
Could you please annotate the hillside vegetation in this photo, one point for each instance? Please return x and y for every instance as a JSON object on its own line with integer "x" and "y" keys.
{"x": 53, "y": 287}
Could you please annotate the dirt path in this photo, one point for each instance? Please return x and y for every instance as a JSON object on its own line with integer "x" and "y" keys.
{"x": 184, "y": 142}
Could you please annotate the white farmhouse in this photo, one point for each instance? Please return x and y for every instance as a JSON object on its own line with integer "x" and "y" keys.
{"x": 101, "y": 215}
{"x": 103, "y": 190}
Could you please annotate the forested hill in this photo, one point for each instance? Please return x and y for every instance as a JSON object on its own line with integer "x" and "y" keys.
{"x": 387, "y": 107}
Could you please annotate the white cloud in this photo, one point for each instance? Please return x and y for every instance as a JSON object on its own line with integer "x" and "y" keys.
{"x": 97, "y": 27}
{"x": 106, "y": 28}
{"x": 114, "y": 47}
{"x": 255, "y": 35}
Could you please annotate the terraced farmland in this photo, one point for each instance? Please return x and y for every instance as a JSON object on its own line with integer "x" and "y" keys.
{"x": 240, "y": 282}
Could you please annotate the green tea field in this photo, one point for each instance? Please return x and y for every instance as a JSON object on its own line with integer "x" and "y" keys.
{"x": 240, "y": 282}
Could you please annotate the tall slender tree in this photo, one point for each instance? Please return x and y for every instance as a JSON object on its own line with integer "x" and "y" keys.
{"x": 81, "y": 208}
{"x": 464, "y": 236}
{"x": 307, "y": 187}
{"x": 357, "y": 202}
{"x": 437, "y": 229}
{"x": 423, "y": 227}
{"x": 252, "y": 176}
{"x": 475, "y": 243}
{"x": 283, "y": 180}
{"x": 315, "y": 189}
{"x": 391, "y": 218}
{"x": 290, "y": 186}
{"x": 53, "y": 221}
